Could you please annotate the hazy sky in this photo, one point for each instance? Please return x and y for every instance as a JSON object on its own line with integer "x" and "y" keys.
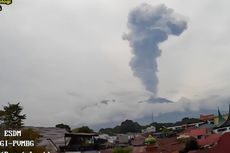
{"x": 66, "y": 61}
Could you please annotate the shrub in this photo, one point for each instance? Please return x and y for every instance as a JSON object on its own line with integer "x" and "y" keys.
{"x": 183, "y": 138}
{"x": 150, "y": 140}
{"x": 122, "y": 150}
{"x": 191, "y": 144}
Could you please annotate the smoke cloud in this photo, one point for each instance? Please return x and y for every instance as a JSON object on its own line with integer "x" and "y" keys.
{"x": 148, "y": 26}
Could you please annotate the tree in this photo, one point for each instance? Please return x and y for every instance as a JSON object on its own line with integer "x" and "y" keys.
{"x": 191, "y": 144}
{"x": 187, "y": 120}
{"x": 27, "y": 134}
{"x": 130, "y": 126}
{"x": 125, "y": 127}
{"x": 83, "y": 129}
{"x": 11, "y": 117}
{"x": 150, "y": 140}
{"x": 64, "y": 126}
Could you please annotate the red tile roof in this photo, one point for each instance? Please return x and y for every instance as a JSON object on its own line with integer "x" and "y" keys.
{"x": 198, "y": 151}
{"x": 165, "y": 145}
{"x": 197, "y": 132}
{"x": 169, "y": 145}
{"x": 210, "y": 140}
{"x": 186, "y": 130}
{"x": 207, "y": 117}
{"x": 223, "y": 145}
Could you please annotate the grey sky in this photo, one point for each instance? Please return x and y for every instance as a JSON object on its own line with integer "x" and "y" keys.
{"x": 57, "y": 57}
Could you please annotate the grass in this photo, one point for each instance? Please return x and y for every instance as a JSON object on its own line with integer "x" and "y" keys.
{"x": 122, "y": 150}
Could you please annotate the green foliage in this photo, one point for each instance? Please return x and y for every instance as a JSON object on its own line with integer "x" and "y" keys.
{"x": 150, "y": 140}
{"x": 183, "y": 139}
{"x": 125, "y": 127}
{"x": 64, "y": 126}
{"x": 27, "y": 134}
{"x": 83, "y": 129}
{"x": 159, "y": 126}
{"x": 167, "y": 132}
{"x": 130, "y": 126}
{"x": 109, "y": 131}
{"x": 187, "y": 120}
{"x": 11, "y": 117}
{"x": 122, "y": 150}
{"x": 191, "y": 144}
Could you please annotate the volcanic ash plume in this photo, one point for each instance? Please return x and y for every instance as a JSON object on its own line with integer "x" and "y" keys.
{"x": 148, "y": 26}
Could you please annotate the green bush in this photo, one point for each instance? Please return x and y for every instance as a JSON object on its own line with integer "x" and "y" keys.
{"x": 183, "y": 139}
{"x": 83, "y": 129}
{"x": 150, "y": 140}
{"x": 122, "y": 150}
{"x": 191, "y": 144}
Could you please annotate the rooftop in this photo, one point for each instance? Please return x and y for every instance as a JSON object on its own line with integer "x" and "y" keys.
{"x": 210, "y": 140}
{"x": 227, "y": 122}
{"x": 207, "y": 117}
{"x": 80, "y": 134}
{"x": 222, "y": 146}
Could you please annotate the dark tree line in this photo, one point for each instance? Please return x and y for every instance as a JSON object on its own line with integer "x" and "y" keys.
{"x": 134, "y": 127}
{"x": 125, "y": 127}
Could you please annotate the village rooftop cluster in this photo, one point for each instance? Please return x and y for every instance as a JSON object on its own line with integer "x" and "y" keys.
{"x": 209, "y": 134}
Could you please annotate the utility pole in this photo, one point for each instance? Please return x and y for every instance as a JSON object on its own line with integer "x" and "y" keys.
{"x": 152, "y": 117}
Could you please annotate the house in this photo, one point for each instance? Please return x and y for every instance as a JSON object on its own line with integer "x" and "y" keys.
{"x": 80, "y": 142}
{"x": 209, "y": 117}
{"x": 220, "y": 119}
{"x": 122, "y": 139}
{"x": 222, "y": 146}
{"x": 178, "y": 127}
{"x": 51, "y": 137}
{"x": 208, "y": 141}
{"x": 197, "y": 133}
{"x": 169, "y": 145}
{"x": 224, "y": 127}
{"x": 186, "y": 126}
{"x": 110, "y": 139}
{"x": 138, "y": 140}
{"x": 151, "y": 129}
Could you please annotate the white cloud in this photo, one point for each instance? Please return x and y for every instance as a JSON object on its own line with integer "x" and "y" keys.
{"x": 57, "y": 57}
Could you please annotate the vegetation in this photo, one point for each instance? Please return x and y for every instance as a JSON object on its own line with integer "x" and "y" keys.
{"x": 130, "y": 126}
{"x": 122, "y": 150}
{"x": 27, "y": 134}
{"x": 159, "y": 126}
{"x": 187, "y": 120}
{"x": 191, "y": 144}
{"x": 64, "y": 126}
{"x": 183, "y": 138}
{"x": 11, "y": 117}
{"x": 150, "y": 140}
{"x": 167, "y": 132}
{"x": 83, "y": 129}
{"x": 125, "y": 127}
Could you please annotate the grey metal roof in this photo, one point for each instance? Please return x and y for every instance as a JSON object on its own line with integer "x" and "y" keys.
{"x": 207, "y": 126}
{"x": 80, "y": 134}
{"x": 57, "y": 135}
